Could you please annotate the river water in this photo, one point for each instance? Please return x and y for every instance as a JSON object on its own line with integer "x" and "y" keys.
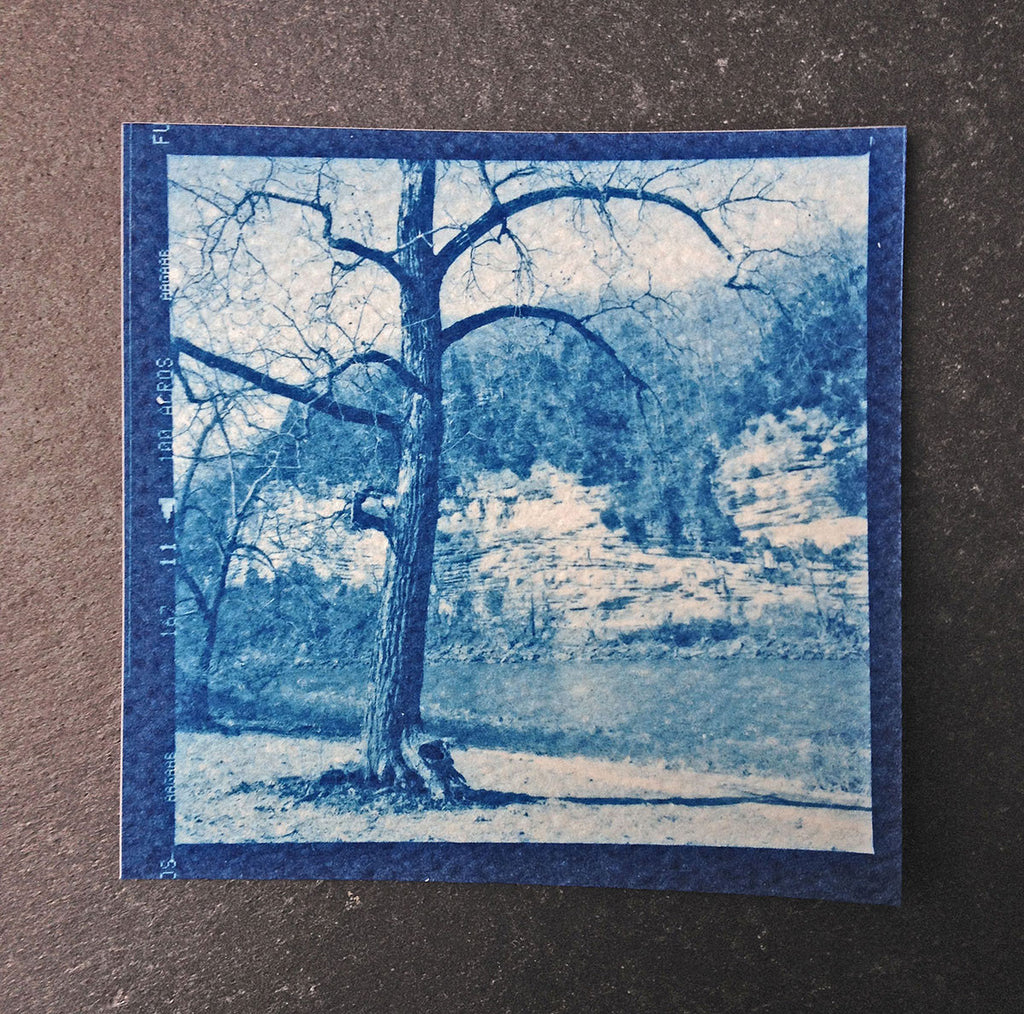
{"x": 798, "y": 718}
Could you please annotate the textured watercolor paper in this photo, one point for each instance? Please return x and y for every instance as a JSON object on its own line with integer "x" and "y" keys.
{"x": 514, "y": 507}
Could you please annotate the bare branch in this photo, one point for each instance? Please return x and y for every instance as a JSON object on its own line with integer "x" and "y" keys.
{"x": 747, "y": 283}
{"x": 499, "y": 212}
{"x": 457, "y": 331}
{"x": 257, "y": 553}
{"x": 321, "y": 402}
{"x": 405, "y": 375}
{"x": 190, "y": 474}
{"x": 340, "y": 243}
{"x": 197, "y": 593}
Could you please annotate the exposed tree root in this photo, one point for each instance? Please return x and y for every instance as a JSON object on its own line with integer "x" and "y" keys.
{"x": 420, "y": 766}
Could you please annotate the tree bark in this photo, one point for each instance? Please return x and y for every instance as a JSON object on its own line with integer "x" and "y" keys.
{"x": 396, "y": 751}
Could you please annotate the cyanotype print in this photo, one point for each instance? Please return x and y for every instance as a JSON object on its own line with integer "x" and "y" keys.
{"x": 510, "y": 496}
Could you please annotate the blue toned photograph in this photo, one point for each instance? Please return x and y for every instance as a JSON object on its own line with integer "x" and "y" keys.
{"x": 535, "y": 493}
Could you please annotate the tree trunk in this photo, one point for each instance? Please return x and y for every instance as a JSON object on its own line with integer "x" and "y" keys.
{"x": 396, "y": 753}
{"x": 200, "y": 703}
{"x": 211, "y": 614}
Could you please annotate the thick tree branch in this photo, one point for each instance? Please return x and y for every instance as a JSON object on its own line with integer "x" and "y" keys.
{"x": 457, "y": 331}
{"x": 324, "y": 403}
{"x": 406, "y": 376}
{"x": 500, "y": 212}
{"x": 339, "y": 243}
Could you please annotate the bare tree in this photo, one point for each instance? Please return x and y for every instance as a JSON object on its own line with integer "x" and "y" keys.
{"x": 220, "y": 492}
{"x": 397, "y": 392}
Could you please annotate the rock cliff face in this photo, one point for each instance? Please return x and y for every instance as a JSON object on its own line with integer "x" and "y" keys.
{"x": 528, "y": 568}
{"x": 779, "y": 481}
{"x": 524, "y": 566}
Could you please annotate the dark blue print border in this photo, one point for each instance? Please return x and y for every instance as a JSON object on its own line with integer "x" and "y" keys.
{"x": 885, "y": 286}
{"x": 147, "y": 807}
{"x": 315, "y": 142}
{"x": 148, "y": 850}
